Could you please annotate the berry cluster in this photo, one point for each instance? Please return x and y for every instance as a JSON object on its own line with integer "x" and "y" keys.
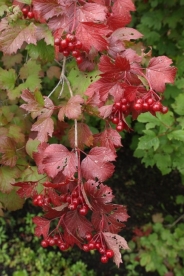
{"x": 75, "y": 201}
{"x": 70, "y": 45}
{"x": 27, "y": 12}
{"x": 97, "y": 244}
{"x": 55, "y": 240}
{"x": 123, "y": 108}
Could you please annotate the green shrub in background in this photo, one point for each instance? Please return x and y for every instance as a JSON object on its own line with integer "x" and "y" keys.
{"x": 159, "y": 140}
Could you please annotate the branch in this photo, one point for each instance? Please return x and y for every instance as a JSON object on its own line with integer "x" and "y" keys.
{"x": 176, "y": 221}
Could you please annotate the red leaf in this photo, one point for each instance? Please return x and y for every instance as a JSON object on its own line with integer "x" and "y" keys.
{"x": 84, "y": 134}
{"x": 115, "y": 243}
{"x": 57, "y": 158}
{"x": 125, "y": 34}
{"x": 27, "y": 189}
{"x": 92, "y": 12}
{"x": 160, "y": 72}
{"x": 116, "y": 21}
{"x": 112, "y": 215}
{"x": 123, "y": 7}
{"x": 47, "y": 8}
{"x": 98, "y": 194}
{"x": 96, "y": 164}
{"x": 72, "y": 109}
{"x": 42, "y": 226}
{"x": 105, "y": 111}
{"x": 54, "y": 197}
{"x": 88, "y": 32}
{"x": 76, "y": 225}
{"x": 44, "y": 127}
{"x": 38, "y": 157}
{"x": 109, "y": 138}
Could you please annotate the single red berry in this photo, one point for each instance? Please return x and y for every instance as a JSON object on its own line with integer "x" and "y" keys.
{"x": 78, "y": 45}
{"x": 98, "y": 245}
{"x": 117, "y": 106}
{"x": 85, "y": 247}
{"x": 156, "y": 106}
{"x": 44, "y": 243}
{"x": 164, "y": 109}
{"x": 59, "y": 242}
{"x": 79, "y": 60}
{"x": 30, "y": 15}
{"x": 25, "y": 11}
{"x": 57, "y": 41}
{"x": 76, "y": 53}
{"x": 83, "y": 211}
{"x": 71, "y": 46}
{"x": 109, "y": 253}
{"x": 101, "y": 250}
{"x": 70, "y": 38}
{"x": 63, "y": 44}
{"x": 123, "y": 107}
{"x": 68, "y": 199}
{"x": 66, "y": 53}
{"x": 124, "y": 101}
{"x": 75, "y": 193}
{"x": 139, "y": 101}
{"x": 104, "y": 259}
{"x": 88, "y": 236}
{"x": 120, "y": 126}
{"x": 137, "y": 106}
{"x": 72, "y": 206}
{"x": 145, "y": 106}
{"x": 40, "y": 202}
{"x": 75, "y": 201}
{"x": 150, "y": 101}
{"x": 51, "y": 242}
{"x": 63, "y": 247}
{"x": 91, "y": 245}
{"x": 115, "y": 120}
{"x": 35, "y": 201}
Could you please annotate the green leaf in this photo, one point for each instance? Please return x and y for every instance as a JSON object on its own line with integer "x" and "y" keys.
{"x": 11, "y": 201}
{"x": 149, "y": 140}
{"x": 166, "y": 119}
{"x": 20, "y": 273}
{"x": 41, "y": 51}
{"x": 163, "y": 162}
{"x": 10, "y": 62}
{"x": 7, "y": 177}
{"x": 31, "y": 146}
{"x": 30, "y": 68}
{"x": 81, "y": 80}
{"x": 145, "y": 258}
{"x": 3, "y": 8}
{"x": 7, "y": 78}
{"x": 180, "y": 199}
{"x": 177, "y": 135}
{"x": 178, "y": 106}
{"x": 148, "y": 118}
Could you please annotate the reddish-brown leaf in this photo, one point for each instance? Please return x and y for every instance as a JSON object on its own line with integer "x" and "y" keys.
{"x": 72, "y": 109}
{"x": 92, "y": 12}
{"x": 84, "y": 134}
{"x": 109, "y": 138}
{"x": 159, "y": 72}
{"x": 42, "y": 226}
{"x": 27, "y": 189}
{"x": 47, "y": 8}
{"x": 8, "y": 151}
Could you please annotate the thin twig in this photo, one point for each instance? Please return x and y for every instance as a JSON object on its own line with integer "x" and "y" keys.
{"x": 69, "y": 86}
{"x": 176, "y": 221}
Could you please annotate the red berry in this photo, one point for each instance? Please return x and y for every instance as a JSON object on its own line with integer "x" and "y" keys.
{"x": 139, "y": 101}
{"x": 35, "y": 201}
{"x": 156, "y": 106}
{"x": 79, "y": 60}
{"x": 91, "y": 245}
{"x": 63, "y": 246}
{"x": 66, "y": 53}
{"x": 124, "y": 101}
{"x": 78, "y": 45}
{"x": 44, "y": 243}
{"x": 164, "y": 109}
{"x": 85, "y": 247}
{"x": 101, "y": 250}
{"x": 88, "y": 236}
{"x": 98, "y": 245}
{"x": 115, "y": 120}
{"x": 63, "y": 197}
{"x": 75, "y": 201}
{"x": 117, "y": 106}
{"x": 70, "y": 38}
{"x": 72, "y": 206}
{"x": 68, "y": 199}
{"x": 104, "y": 259}
{"x": 145, "y": 106}
{"x": 75, "y": 193}
{"x": 57, "y": 41}
{"x": 76, "y": 53}
{"x": 120, "y": 126}
{"x": 71, "y": 46}
{"x": 51, "y": 242}
{"x": 109, "y": 253}
{"x": 137, "y": 106}
{"x": 30, "y": 15}
{"x": 40, "y": 202}
{"x": 63, "y": 44}
{"x": 25, "y": 11}
{"x": 123, "y": 107}
{"x": 150, "y": 101}
{"x": 83, "y": 211}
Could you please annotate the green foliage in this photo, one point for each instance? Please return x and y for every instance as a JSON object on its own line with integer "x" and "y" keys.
{"x": 160, "y": 139}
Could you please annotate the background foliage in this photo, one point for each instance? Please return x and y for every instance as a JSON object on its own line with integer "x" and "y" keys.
{"x": 158, "y": 141}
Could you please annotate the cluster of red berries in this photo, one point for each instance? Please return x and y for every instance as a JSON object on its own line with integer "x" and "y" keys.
{"x": 55, "y": 240}
{"x": 70, "y": 45}
{"x": 123, "y": 108}
{"x": 92, "y": 245}
{"x": 27, "y": 12}
{"x": 75, "y": 202}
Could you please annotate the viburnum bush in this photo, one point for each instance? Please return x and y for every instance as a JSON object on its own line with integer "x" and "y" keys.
{"x": 49, "y": 152}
